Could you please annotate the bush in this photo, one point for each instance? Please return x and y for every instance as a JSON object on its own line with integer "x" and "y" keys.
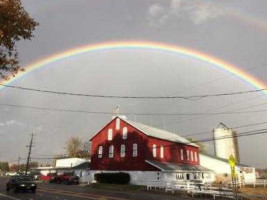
{"x": 113, "y": 178}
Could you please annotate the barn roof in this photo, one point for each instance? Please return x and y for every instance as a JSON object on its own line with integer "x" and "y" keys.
{"x": 158, "y": 133}
{"x": 166, "y": 166}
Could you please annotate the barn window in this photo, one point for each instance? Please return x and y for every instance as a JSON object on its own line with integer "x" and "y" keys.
{"x": 161, "y": 151}
{"x": 122, "y": 150}
{"x": 110, "y": 132}
{"x": 111, "y": 151}
{"x": 187, "y": 155}
{"x": 134, "y": 150}
{"x": 100, "y": 151}
{"x": 182, "y": 154}
{"x": 117, "y": 124}
{"x": 195, "y": 156}
{"x": 124, "y": 133}
{"x": 154, "y": 150}
{"x": 192, "y": 156}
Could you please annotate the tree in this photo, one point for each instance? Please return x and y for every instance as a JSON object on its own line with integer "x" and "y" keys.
{"x": 77, "y": 148}
{"x": 4, "y": 166}
{"x": 202, "y": 146}
{"x": 15, "y": 25}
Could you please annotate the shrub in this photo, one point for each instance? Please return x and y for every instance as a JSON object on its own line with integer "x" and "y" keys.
{"x": 113, "y": 178}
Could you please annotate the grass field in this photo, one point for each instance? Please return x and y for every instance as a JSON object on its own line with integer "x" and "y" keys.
{"x": 254, "y": 191}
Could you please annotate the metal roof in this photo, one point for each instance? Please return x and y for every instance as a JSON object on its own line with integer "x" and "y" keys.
{"x": 158, "y": 133}
{"x": 165, "y": 166}
{"x": 223, "y": 159}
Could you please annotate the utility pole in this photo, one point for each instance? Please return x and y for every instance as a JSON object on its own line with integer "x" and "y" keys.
{"x": 18, "y": 163}
{"x": 29, "y": 154}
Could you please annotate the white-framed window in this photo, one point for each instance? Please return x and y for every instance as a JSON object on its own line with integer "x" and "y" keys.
{"x": 117, "y": 124}
{"x": 122, "y": 150}
{"x": 196, "y": 156}
{"x": 182, "y": 154}
{"x": 124, "y": 133}
{"x": 154, "y": 150}
{"x": 187, "y": 155}
{"x": 192, "y": 156}
{"x": 100, "y": 151}
{"x": 111, "y": 151}
{"x": 110, "y": 134}
{"x": 135, "y": 149}
{"x": 161, "y": 151}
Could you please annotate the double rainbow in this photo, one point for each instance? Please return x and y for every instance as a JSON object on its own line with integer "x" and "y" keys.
{"x": 238, "y": 72}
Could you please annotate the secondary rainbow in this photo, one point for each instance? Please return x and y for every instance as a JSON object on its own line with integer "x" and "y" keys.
{"x": 238, "y": 72}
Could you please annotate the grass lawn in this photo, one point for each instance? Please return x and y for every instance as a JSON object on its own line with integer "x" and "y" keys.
{"x": 254, "y": 191}
{"x": 117, "y": 187}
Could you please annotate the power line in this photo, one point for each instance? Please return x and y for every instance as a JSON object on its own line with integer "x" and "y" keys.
{"x": 202, "y": 117}
{"x": 236, "y": 127}
{"x": 193, "y": 97}
{"x": 243, "y": 134}
{"x": 128, "y": 113}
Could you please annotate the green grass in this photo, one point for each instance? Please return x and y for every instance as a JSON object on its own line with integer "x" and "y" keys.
{"x": 117, "y": 187}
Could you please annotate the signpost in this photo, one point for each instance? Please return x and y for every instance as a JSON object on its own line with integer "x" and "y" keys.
{"x": 232, "y": 162}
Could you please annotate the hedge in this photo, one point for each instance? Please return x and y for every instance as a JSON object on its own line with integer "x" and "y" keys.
{"x": 113, "y": 178}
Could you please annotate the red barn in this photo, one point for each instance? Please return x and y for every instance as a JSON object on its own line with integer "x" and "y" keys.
{"x": 144, "y": 152}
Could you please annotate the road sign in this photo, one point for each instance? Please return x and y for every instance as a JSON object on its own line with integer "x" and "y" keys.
{"x": 232, "y": 161}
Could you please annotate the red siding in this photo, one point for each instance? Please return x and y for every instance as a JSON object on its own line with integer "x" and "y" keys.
{"x": 145, "y": 144}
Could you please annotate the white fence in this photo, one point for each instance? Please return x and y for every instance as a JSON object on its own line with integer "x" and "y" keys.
{"x": 257, "y": 183}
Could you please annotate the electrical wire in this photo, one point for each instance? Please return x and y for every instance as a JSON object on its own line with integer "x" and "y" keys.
{"x": 127, "y": 113}
{"x": 193, "y": 97}
{"x": 243, "y": 134}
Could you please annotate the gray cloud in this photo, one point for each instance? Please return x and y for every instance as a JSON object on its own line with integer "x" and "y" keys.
{"x": 198, "y": 12}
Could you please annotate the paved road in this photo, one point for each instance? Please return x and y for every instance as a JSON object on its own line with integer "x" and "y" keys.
{"x": 47, "y": 191}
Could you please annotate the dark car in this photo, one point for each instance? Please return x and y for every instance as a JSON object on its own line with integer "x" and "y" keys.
{"x": 21, "y": 183}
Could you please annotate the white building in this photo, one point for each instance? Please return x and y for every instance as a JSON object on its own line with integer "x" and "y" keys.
{"x": 78, "y": 166}
{"x": 222, "y": 170}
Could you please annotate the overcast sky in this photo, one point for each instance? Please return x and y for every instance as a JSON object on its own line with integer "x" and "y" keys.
{"x": 232, "y": 30}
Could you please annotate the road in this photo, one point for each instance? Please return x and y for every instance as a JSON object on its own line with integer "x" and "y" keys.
{"x": 46, "y": 191}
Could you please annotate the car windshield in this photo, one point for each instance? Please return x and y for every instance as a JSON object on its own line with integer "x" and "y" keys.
{"x": 23, "y": 178}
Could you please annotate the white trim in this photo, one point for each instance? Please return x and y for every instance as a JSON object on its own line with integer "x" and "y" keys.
{"x": 154, "y": 150}
{"x": 124, "y": 133}
{"x": 154, "y": 165}
{"x": 110, "y": 134}
{"x": 122, "y": 151}
{"x": 111, "y": 151}
{"x": 118, "y": 123}
{"x": 135, "y": 149}
{"x": 161, "y": 151}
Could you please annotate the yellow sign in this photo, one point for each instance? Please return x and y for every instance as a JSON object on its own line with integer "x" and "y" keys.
{"x": 232, "y": 161}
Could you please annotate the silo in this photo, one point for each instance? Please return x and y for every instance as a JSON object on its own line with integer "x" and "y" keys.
{"x": 225, "y": 142}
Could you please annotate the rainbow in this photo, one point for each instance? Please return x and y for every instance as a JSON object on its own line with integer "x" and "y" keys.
{"x": 238, "y": 72}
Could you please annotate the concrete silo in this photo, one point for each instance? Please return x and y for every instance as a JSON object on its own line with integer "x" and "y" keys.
{"x": 226, "y": 142}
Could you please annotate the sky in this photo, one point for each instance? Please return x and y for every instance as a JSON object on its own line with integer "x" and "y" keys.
{"x": 233, "y": 31}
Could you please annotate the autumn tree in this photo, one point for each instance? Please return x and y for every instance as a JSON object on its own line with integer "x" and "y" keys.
{"x": 77, "y": 148}
{"x": 15, "y": 25}
{"x": 4, "y": 166}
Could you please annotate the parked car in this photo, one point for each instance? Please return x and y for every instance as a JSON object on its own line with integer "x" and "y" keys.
{"x": 21, "y": 182}
{"x": 48, "y": 177}
{"x": 66, "y": 178}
